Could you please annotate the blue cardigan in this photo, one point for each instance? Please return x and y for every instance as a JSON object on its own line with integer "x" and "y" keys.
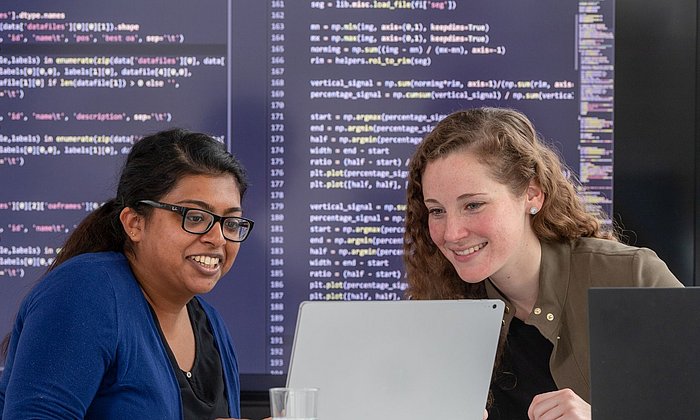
{"x": 85, "y": 345}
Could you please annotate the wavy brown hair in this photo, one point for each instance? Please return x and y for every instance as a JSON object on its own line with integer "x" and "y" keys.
{"x": 506, "y": 141}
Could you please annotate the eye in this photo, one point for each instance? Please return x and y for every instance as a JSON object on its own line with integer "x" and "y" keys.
{"x": 195, "y": 217}
{"x": 473, "y": 206}
{"x": 436, "y": 211}
{"x": 233, "y": 224}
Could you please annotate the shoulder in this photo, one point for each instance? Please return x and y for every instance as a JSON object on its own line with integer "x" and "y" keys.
{"x": 81, "y": 296}
{"x": 83, "y": 267}
{"x": 585, "y": 252}
{"x": 94, "y": 259}
{"x": 605, "y": 249}
{"x": 602, "y": 247}
{"x": 593, "y": 248}
{"x": 614, "y": 263}
{"x": 88, "y": 277}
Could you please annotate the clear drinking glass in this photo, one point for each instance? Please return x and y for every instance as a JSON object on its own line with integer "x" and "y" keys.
{"x": 294, "y": 403}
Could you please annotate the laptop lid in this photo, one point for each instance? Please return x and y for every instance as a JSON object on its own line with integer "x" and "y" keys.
{"x": 397, "y": 360}
{"x": 645, "y": 353}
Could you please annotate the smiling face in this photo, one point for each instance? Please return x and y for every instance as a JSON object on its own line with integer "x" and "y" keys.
{"x": 175, "y": 264}
{"x": 478, "y": 224}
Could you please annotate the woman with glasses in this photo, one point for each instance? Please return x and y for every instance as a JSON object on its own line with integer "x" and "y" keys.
{"x": 116, "y": 329}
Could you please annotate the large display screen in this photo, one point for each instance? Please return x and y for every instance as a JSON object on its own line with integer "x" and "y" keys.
{"x": 323, "y": 101}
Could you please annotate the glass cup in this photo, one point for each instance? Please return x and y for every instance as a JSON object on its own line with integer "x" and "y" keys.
{"x": 294, "y": 403}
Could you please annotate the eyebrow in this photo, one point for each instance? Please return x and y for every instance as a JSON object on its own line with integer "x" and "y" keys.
{"x": 469, "y": 195}
{"x": 206, "y": 206}
{"x": 461, "y": 197}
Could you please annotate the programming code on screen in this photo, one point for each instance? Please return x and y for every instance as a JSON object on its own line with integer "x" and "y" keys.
{"x": 347, "y": 90}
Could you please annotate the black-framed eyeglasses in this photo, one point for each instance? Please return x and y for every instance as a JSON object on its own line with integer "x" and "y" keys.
{"x": 199, "y": 222}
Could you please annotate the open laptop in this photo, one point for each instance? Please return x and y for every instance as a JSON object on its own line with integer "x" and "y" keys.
{"x": 645, "y": 353}
{"x": 397, "y": 360}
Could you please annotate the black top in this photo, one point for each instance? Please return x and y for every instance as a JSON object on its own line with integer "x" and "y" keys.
{"x": 202, "y": 389}
{"x": 524, "y": 372}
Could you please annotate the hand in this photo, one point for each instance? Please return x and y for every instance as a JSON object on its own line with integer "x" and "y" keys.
{"x": 563, "y": 404}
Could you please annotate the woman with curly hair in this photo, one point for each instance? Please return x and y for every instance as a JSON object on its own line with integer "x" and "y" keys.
{"x": 492, "y": 213}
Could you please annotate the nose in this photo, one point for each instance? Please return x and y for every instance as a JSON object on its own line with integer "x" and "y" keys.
{"x": 455, "y": 228}
{"x": 215, "y": 235}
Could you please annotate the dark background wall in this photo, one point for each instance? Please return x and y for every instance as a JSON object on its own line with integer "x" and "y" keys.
{"x": 655, "y": 128}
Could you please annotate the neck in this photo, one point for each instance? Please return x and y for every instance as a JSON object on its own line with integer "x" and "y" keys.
{"x": 521, "y": 283}
{"x": 165, "y": 305}
{"x": 177, "y": 329}
{"x": 166, "y": 310}
{"x": 171, "y": 315}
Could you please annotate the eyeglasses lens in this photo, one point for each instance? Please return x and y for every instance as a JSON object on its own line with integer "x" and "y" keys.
{"x": 199, "y": 222}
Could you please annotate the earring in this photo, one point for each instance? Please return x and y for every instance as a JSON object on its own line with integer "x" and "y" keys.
{"x": 534, "y": 210}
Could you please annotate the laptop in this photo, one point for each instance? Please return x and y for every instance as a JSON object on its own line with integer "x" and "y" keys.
{"x": 645, "y": 353}
{"x": 397, "y": 359}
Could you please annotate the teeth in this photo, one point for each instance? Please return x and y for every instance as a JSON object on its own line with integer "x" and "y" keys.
{"x": 206, "y": 261}
{"x": 470, "y": 250}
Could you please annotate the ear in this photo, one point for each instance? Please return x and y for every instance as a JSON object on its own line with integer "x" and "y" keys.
{"x": 132, "y": 223}
{"x": 534, "y": 196}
